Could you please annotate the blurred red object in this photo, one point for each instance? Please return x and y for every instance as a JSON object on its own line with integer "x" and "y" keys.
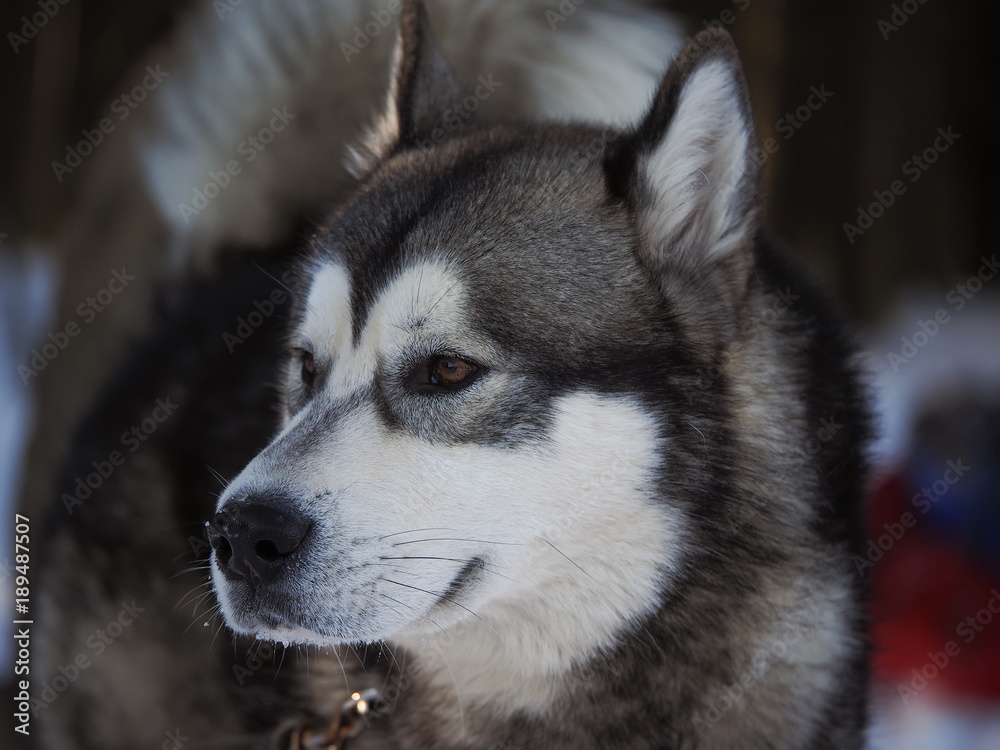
{"x": 935, "y": 607}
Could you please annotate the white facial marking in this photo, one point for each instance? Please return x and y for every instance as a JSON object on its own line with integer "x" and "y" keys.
{"x": 426, "y": 296}
{"x": 328, "y": 311}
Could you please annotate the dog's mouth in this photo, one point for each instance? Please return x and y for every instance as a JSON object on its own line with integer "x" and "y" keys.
{"x": 467, "y": 577}
{"x": 273, "y": 622}
{"x": 287, "y": 628}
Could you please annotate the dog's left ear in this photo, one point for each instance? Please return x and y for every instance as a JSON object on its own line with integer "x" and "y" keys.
{"x": 690, "y": 174}
{"x": 421, "y": 91}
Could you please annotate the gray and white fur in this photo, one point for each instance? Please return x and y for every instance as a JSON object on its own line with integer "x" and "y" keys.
{"x": 627, "y": 521}
{"x": 138, "y": 536}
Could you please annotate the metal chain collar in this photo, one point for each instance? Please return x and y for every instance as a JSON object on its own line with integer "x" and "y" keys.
{"x": 350, "y": 721}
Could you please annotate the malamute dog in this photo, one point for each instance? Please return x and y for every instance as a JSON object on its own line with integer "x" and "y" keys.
{"x": 566, "y": 434}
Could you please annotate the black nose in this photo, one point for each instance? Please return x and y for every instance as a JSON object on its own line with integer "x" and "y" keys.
{"x": 253, "y": 538}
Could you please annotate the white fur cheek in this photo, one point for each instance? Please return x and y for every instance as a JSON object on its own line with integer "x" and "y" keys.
{"x": 576, "y": 543}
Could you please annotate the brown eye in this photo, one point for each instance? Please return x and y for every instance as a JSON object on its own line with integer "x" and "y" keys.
{"x": 308, "y": 368}
{"x": 451, "y": 371}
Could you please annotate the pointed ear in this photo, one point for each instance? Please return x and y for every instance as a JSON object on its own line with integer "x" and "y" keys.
{"x": 690, "y": 174}
{"x": 421, "y": 91}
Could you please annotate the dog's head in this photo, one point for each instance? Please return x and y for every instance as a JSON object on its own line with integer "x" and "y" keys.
{"x": 492, "y": 343}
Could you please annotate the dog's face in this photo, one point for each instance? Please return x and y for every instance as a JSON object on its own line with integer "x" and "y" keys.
{"x": 454, "y": 415}
{"x": 479, "y": 398}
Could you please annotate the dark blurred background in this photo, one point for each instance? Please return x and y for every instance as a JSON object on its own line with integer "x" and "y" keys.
{"x": 889, "y": 97}
{"x": 850, "y": 97}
